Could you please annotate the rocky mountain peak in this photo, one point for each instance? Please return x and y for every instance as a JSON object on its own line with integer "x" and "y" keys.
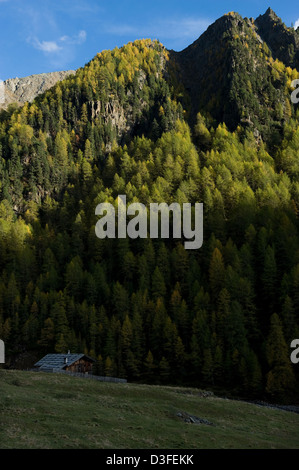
{"x": 283, "y": 41}
{"x": 271, "y": 14}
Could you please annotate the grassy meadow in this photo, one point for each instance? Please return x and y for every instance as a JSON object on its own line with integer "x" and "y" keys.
{"x": 52, "y": 411}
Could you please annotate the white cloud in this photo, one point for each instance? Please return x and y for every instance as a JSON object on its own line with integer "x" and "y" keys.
{"x": 80, "y": 38}
{"x": 296, "y": 24}
{"x": 59, "y": 52}
{"x": 45, "y": 46}
{"x": 63, "y": 44}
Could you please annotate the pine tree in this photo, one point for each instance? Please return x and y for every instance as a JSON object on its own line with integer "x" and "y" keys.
{"x": 109, "y": 367}
{"x": 149, "y": 367}
{"x": 269, "y": 279}
{"x": 165, "y": 370}
{"x": 280, "y": 378}
{"x": 61, "y": 345}
{"x": 216, "y": 272}
{"x": 208, "y": 366}
{"x": 126, "y": 335}
{"x": 158, "y": 284}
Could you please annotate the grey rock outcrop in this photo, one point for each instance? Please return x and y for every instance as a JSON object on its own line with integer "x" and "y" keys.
{"x": 20, "y": 90}
{"x": 187, "y": 418}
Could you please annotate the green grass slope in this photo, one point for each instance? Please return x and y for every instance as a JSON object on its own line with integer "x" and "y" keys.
{"x": 52, "y": 411}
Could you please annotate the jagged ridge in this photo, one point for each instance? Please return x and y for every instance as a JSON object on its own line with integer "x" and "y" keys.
{"x": 283, "y": 41}
{"x": 229, "y": 74}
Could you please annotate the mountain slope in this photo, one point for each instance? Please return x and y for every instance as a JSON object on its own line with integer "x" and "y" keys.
{"x": 116, "y": 96}
{"x": 37, "y": 412}
{"x": 212, "y": 124}
{"x": 20, "y": 90}
{"x": 230, "y": 74}
{"x": 283, "y": 41}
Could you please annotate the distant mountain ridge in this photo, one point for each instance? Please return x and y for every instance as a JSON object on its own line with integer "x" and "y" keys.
{"x": 212, "y": 73}
{"x": 19, "y": 90}
{"x": 231, "y": 72}
{"x": 283, "y": 41}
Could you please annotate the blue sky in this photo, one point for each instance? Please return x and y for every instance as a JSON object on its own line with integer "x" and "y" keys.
{"x": 49, "y": 35}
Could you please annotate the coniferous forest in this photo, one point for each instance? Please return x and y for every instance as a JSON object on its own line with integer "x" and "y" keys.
{"x": 212, "y": 124}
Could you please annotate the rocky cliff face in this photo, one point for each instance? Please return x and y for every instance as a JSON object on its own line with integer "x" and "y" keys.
{"x": 229, "y": 75}
{"x": 283, "y": 41}
{"x": 20, "y": 90}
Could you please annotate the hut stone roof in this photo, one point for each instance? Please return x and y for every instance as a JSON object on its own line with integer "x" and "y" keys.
{"x": 60, "y": 361}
